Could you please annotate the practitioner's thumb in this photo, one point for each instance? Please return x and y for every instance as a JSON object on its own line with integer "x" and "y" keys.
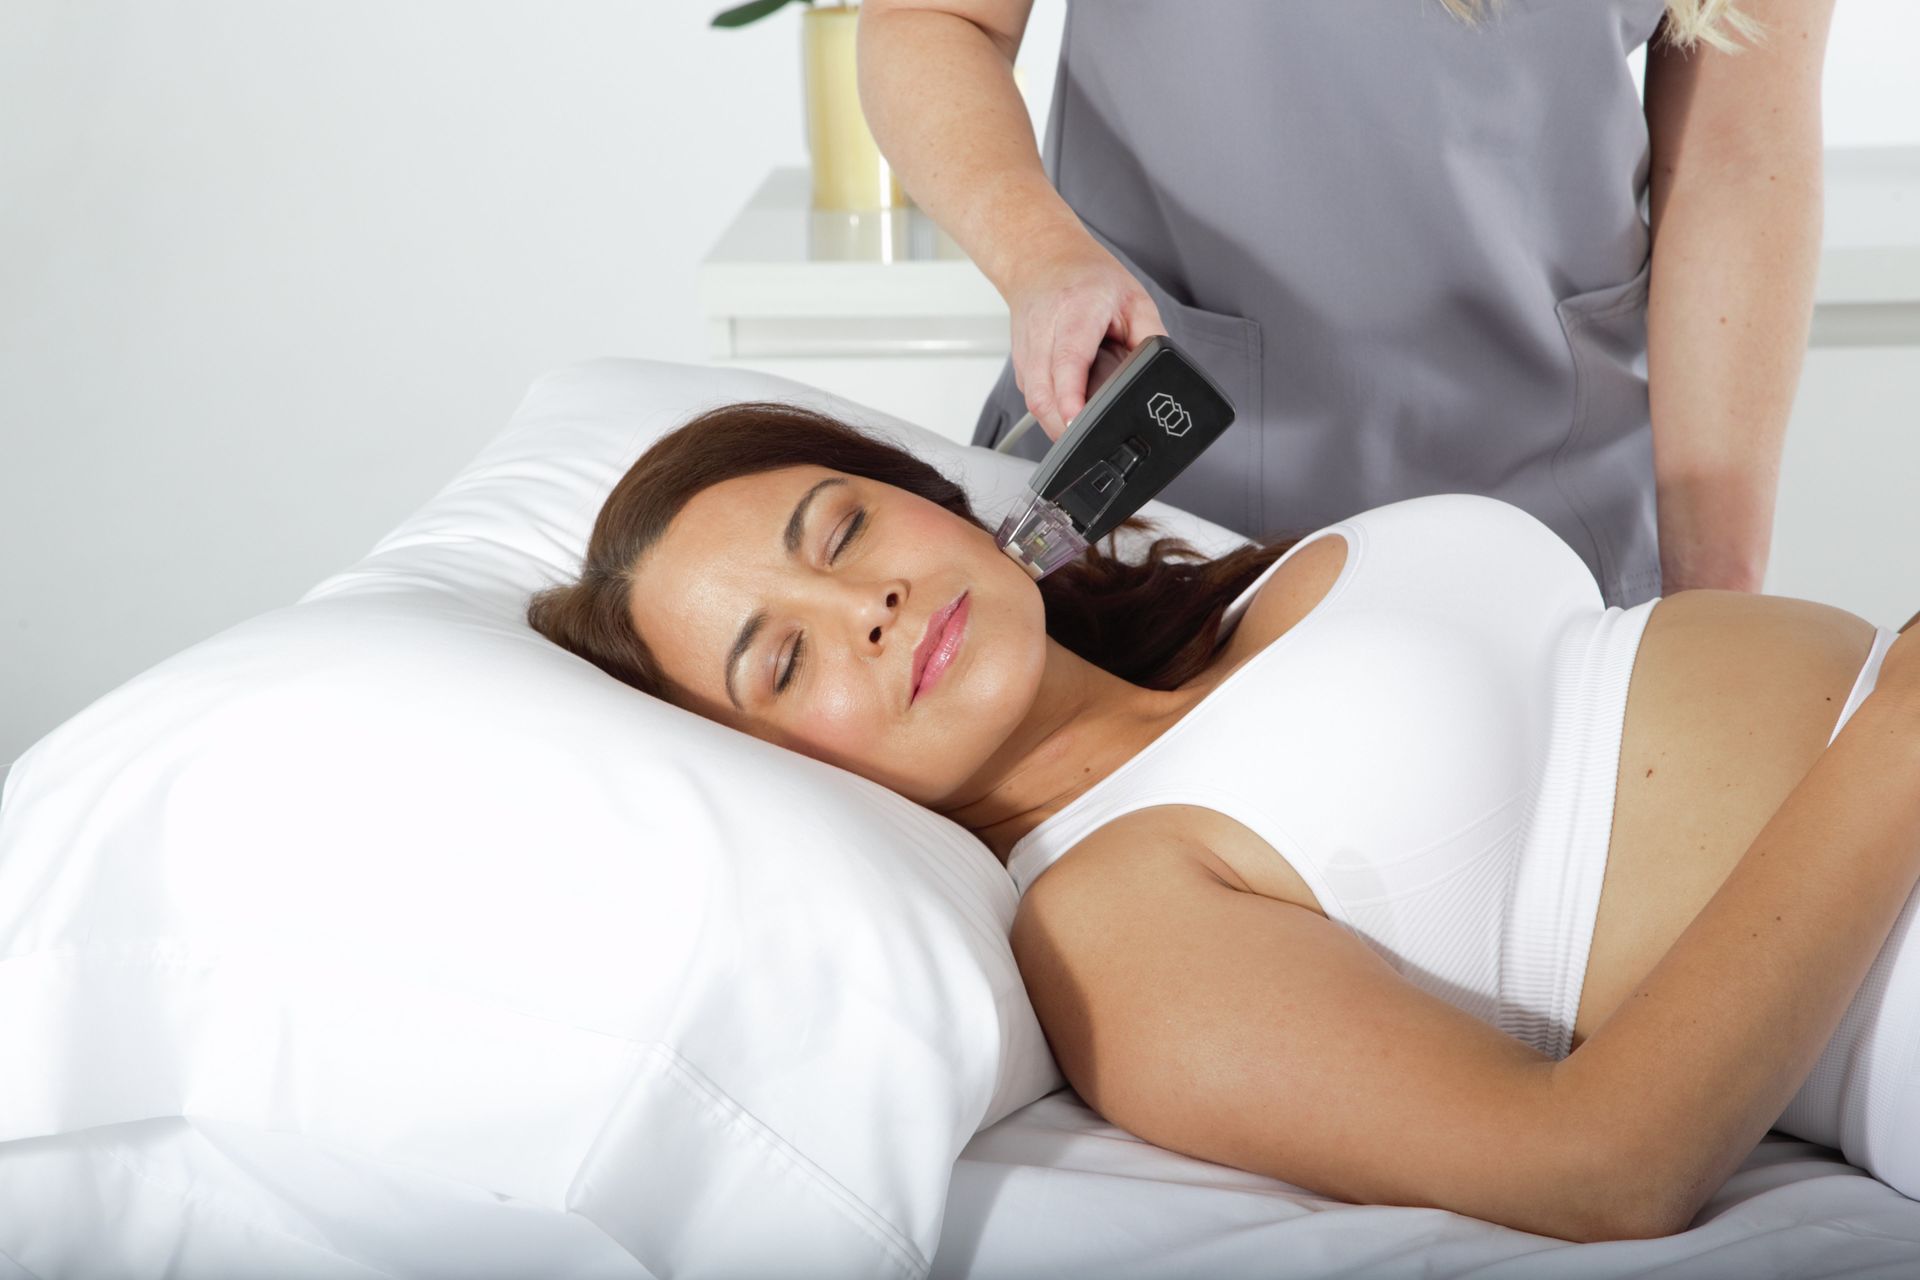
{"x": 1073, "y": 355}
{"x": 1142, "y": 321}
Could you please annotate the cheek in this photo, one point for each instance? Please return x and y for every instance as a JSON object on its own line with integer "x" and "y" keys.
{"x": 927, "y": 524}
{"x": 1022, "y": 662}
{"x": 841, "y": 727}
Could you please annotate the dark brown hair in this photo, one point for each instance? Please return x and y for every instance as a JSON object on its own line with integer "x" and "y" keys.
{"x": 1151, "y": 622}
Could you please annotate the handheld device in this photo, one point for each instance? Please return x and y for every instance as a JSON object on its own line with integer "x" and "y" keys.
{"x": 1152, "y": 416}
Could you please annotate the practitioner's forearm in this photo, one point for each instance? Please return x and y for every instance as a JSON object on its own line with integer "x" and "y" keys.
{"x": 939, "y": 95}
{"x": 1698, "y": 1063}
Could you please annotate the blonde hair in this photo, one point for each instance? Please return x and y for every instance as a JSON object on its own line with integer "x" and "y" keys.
{"x": 1686, "y": 21}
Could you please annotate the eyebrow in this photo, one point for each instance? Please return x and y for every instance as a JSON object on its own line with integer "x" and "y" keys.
{"x": 790, "y": 540}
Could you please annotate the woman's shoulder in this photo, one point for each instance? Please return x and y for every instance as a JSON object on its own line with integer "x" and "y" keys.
{"x": 1289, "y": 590}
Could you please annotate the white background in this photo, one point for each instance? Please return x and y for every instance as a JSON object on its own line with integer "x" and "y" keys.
{"x": 270, "y": 273}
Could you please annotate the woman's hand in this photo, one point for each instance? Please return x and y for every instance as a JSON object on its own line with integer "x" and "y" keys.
{"x": 1073, "y": 297}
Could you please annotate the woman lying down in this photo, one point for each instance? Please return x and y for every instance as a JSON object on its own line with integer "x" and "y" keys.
{"x": 1385, "y": 860}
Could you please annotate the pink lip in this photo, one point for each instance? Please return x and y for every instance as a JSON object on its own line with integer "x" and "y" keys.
{"x": 940, "y": 644}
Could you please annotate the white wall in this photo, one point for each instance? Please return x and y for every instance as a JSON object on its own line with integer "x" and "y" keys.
{"x": 270, "y": 273}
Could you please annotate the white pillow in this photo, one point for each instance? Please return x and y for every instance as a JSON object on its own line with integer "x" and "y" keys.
{"x": 387, "y": 869}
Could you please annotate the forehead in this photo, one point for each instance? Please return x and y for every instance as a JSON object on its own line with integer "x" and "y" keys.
{"x": 748, "y": 511}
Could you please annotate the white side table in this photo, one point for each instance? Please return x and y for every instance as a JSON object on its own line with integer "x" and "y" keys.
{"x": 882, "y": 307}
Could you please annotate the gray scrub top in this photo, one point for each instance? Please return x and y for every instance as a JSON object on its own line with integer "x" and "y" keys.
{"x": 1413, "y": 253}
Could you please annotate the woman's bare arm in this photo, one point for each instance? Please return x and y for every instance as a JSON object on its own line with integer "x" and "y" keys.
{"x": 936, "y": 86}
{"x": 1693, "y": 1069}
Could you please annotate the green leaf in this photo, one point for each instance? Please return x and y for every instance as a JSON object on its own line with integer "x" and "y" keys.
{"x": 752, "y": 11}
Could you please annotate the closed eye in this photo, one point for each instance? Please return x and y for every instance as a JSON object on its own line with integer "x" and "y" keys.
{"x": 854, "y": 528}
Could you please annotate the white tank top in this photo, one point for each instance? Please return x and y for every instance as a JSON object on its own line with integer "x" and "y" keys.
{"x": 1432, "y": 748}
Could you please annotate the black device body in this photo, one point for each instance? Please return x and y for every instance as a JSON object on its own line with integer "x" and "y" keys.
{"x": 1152, "y": 416}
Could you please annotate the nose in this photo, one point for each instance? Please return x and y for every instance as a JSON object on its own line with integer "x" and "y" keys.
{"x": 874, "y": 610}
{"x": 885, "y": 615}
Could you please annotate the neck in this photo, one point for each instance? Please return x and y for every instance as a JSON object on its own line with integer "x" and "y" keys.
{"x": 1084, "y": 724}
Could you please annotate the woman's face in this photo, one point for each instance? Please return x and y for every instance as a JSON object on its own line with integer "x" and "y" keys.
{"x": 829, "y": 671}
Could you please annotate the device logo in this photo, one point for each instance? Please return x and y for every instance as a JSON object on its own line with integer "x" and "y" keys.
{"x": 1169, "y": 414}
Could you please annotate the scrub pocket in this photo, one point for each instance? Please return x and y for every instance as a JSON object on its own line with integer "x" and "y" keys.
{"x": 1604, "y": 468}
{"x": 1223, "y": 483}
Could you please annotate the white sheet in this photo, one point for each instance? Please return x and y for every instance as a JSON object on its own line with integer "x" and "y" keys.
{"x": 1052, "y": 1190}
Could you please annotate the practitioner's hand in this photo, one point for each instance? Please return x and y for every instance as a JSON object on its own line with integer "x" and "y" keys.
{"x": 1072, "y": 296}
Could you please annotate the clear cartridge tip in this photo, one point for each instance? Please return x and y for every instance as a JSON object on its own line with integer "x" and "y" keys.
{"x": 1040, "y": 537}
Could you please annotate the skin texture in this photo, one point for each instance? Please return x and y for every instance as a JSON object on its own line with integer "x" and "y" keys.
{"x": 1015, "y": 725}
{"x": 1735, "y": 199}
